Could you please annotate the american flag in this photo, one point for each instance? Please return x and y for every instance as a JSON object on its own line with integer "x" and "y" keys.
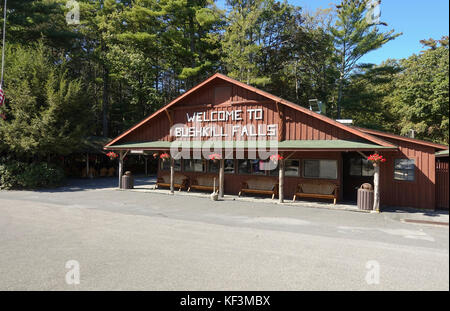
{"x": 2, "y": 97}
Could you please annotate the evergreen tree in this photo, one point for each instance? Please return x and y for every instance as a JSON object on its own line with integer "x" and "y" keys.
{"x": 46, "y": 112}
{"x": 421, "y": 96}
{"x": 354, "y": 36}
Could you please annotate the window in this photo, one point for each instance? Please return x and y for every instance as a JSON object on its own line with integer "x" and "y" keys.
{"x": 244, "y": 167}
{"x": 213, "y": 166}
{"x": 192, "y": 165}
{"x": 229, "y": 166}
{"x": 404, "y": 169}
{"x": 361, "y": 167}
{"x": 326, "y": 169}
{"x": 258, "y": 167}
{"x": 291, "y": 168}
{"x": 165, "y": 165}
{"x": 254, "y": 167}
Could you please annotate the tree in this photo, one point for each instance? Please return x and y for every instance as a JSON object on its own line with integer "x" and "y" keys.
{"x": 368, "y": 99}
{"x": 46, "y": 112}
{"x": 354, "y": 37}
{"x": 421, "y": 96}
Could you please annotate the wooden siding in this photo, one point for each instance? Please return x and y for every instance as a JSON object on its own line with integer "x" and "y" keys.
{"x": 419, "y": 193}
{"x": 442, "y": 185}
{"x": 293, "y": 124}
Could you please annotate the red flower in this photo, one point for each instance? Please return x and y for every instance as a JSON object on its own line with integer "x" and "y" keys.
{"x": 376, "y": 158}
{"x": 276, "y": 157}
{"x": 111, "y": 155}
{"x": 215, "y": 156}
{"x": 164, "y": 156}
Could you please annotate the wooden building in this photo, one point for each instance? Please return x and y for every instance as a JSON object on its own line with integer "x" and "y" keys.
{"x": 222, "y": 115}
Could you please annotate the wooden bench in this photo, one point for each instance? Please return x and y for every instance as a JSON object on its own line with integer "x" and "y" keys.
{"x": 204, "y": 183}
{"x": 179, "y": 181}
{"x": 317, "y": 190}
{"x": 260, "y": 186}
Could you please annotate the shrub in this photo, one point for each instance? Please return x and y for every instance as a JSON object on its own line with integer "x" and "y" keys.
{"x": 20, "y": 175}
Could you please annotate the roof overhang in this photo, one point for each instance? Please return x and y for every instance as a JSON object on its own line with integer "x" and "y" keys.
{"x": 287, "y": 145}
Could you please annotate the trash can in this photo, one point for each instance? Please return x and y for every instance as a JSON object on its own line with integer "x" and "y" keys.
{"x": 127, "y": 181}
{"x": 365, "y": 197}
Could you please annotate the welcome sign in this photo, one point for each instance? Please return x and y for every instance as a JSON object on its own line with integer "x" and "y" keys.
{"x": 230, "y": 130}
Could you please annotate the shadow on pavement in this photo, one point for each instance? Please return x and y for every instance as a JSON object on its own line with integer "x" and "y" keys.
{"x": 82, "y": 184}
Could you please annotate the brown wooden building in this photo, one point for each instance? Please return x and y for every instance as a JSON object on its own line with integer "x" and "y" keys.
{"x": 230, "y": 116}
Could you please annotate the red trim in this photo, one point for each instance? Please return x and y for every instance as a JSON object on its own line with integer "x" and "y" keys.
{"x": 403, "y": 138}
{"x": 267, "y": 95}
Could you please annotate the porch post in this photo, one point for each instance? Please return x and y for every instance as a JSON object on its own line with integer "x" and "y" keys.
{"x": 281, "y": 181}
{"x": 376, "y": 190}
{"x": 120, "y": 168}
{"x": 172, "y": 171}
{"x": 221, "y": 177}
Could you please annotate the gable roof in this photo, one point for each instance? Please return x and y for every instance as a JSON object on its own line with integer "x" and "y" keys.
{"x": 402, "y": 138}
{"x": 352, "y": 130}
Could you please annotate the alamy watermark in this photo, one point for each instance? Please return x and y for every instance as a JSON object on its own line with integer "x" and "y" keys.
{"x": 373, "y": 273}
{"x": 373, "y": 12}
{"x": 73, "y": 275}
{"x": 73, "y": 16}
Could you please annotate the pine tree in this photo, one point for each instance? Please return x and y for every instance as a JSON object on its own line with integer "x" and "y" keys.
{"x": 355, "y": 36}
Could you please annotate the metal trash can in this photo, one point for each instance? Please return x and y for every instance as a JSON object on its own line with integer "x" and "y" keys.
{"x": 127, "y": 181}
{"x": 365, "y": 197}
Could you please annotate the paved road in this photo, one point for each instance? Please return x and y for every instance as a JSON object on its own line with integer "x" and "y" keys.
{"x": 126, "y": 240}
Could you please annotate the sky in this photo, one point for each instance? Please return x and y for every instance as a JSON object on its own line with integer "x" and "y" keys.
{"x": 416, "y": 19}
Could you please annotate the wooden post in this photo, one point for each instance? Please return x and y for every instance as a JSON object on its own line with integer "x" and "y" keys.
{"x": 376, "y": 190}
{"x": 172, "y": 171}
{"x": 281, "y": 181}
{"x": 120, "y": 168}
{"x": 221, "y": 177}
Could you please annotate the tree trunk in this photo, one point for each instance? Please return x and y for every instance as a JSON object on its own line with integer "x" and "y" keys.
{"x": 281, "y": 181}
{"x": 341, "y": 81}
{"x": 221, "y": 178}
{"x": 105, "y": 103}
{"x": 376, "y": 190}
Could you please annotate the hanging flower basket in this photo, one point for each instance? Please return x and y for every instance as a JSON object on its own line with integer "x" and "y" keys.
{"x": 112, "y": 155}
{"x": 276, "y": 157}
{"x": 164, "y": 156}
{"x": 215, "y": 157}
{"x": 376, "y": 159}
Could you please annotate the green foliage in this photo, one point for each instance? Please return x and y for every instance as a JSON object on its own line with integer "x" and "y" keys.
{"x": 20, "y": 175}
{"x": 404, "y": 95}
{"x": 354, "y": 37}
{"x": 421, "y": 96}
{"x": 46, "y": 111}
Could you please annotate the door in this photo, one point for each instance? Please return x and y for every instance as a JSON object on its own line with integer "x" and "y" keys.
{"x": 357, "y": 171}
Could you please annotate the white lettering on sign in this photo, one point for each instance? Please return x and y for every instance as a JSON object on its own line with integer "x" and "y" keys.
{"x": 215, "y": 116}
{"x": 249, "y": 130}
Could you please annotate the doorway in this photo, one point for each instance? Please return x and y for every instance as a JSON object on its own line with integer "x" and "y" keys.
{"x": 357, "y": 171}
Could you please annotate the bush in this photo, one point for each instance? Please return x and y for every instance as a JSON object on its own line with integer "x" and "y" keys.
{"x": 19, "y": 175}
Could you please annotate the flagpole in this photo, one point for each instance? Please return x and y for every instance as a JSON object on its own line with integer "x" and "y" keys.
{"x": 3, "y": 46}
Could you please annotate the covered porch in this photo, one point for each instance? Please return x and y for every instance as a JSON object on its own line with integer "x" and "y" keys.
{"x": 334, "y": 168}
